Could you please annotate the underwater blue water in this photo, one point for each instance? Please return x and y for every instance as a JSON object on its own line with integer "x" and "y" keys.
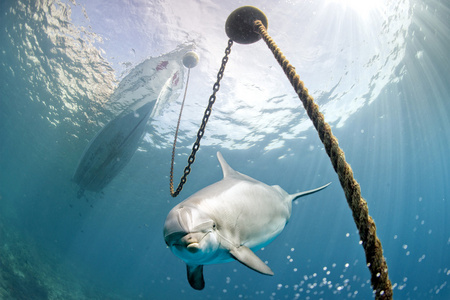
{"x": 56, "y": 79}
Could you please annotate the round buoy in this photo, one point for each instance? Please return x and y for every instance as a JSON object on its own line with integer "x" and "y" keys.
{"x": 239, "y": 26}
{"x": 190, "y": 59}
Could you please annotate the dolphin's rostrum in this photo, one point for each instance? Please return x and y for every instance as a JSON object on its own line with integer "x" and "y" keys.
{"x": 227, "y": 221}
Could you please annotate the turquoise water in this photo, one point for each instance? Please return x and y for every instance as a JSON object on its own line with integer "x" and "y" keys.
{"x": 384, "y": 87}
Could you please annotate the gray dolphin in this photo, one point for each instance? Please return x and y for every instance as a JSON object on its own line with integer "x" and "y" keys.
{"x": 226, "y": 221}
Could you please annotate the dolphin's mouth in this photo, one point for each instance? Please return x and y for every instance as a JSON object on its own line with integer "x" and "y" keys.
{"x": 193, "y": 247}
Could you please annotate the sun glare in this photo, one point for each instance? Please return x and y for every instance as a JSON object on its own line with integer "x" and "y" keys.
{"x": 362, "y": 7}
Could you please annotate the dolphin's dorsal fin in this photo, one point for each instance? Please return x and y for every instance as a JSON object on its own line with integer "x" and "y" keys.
{"x": 301, "y": 194}
{"x": 195, "y": 276}
{"x": 246, "y": 256}
{"x": 226, "y": 169}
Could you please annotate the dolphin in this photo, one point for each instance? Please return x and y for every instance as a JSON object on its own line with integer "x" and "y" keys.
{"x": 227, "y": 221}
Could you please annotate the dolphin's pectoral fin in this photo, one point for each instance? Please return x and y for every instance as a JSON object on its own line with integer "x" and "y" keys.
{"x": 195, "y": 276}
{"x": 246, "y": 256}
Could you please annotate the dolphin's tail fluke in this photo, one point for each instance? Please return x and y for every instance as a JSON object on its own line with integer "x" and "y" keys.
{"x": 301, "y": 194}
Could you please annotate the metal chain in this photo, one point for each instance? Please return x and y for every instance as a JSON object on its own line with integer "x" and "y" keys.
{"x": 201, "y": 130}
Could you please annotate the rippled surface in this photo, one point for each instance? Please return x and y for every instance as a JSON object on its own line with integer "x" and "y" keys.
{"x": 378, "y": 71}
{"x": 344, "y": 62}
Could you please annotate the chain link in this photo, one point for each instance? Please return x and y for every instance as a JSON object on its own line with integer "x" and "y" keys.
{"x": 201, "y": 130}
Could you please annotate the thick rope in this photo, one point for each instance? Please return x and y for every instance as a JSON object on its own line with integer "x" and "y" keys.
{"x": 366, "y": 226}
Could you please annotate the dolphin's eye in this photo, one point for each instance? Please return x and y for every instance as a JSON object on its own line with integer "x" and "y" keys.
{"x": 214, "y": 226}
{"x": 203, "y": 227}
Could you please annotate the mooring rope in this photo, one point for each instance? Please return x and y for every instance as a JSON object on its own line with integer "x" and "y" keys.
{"x": 172, "y": 192}
{"x": 365, "y": 224}
{"x": 201, "y": 130}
